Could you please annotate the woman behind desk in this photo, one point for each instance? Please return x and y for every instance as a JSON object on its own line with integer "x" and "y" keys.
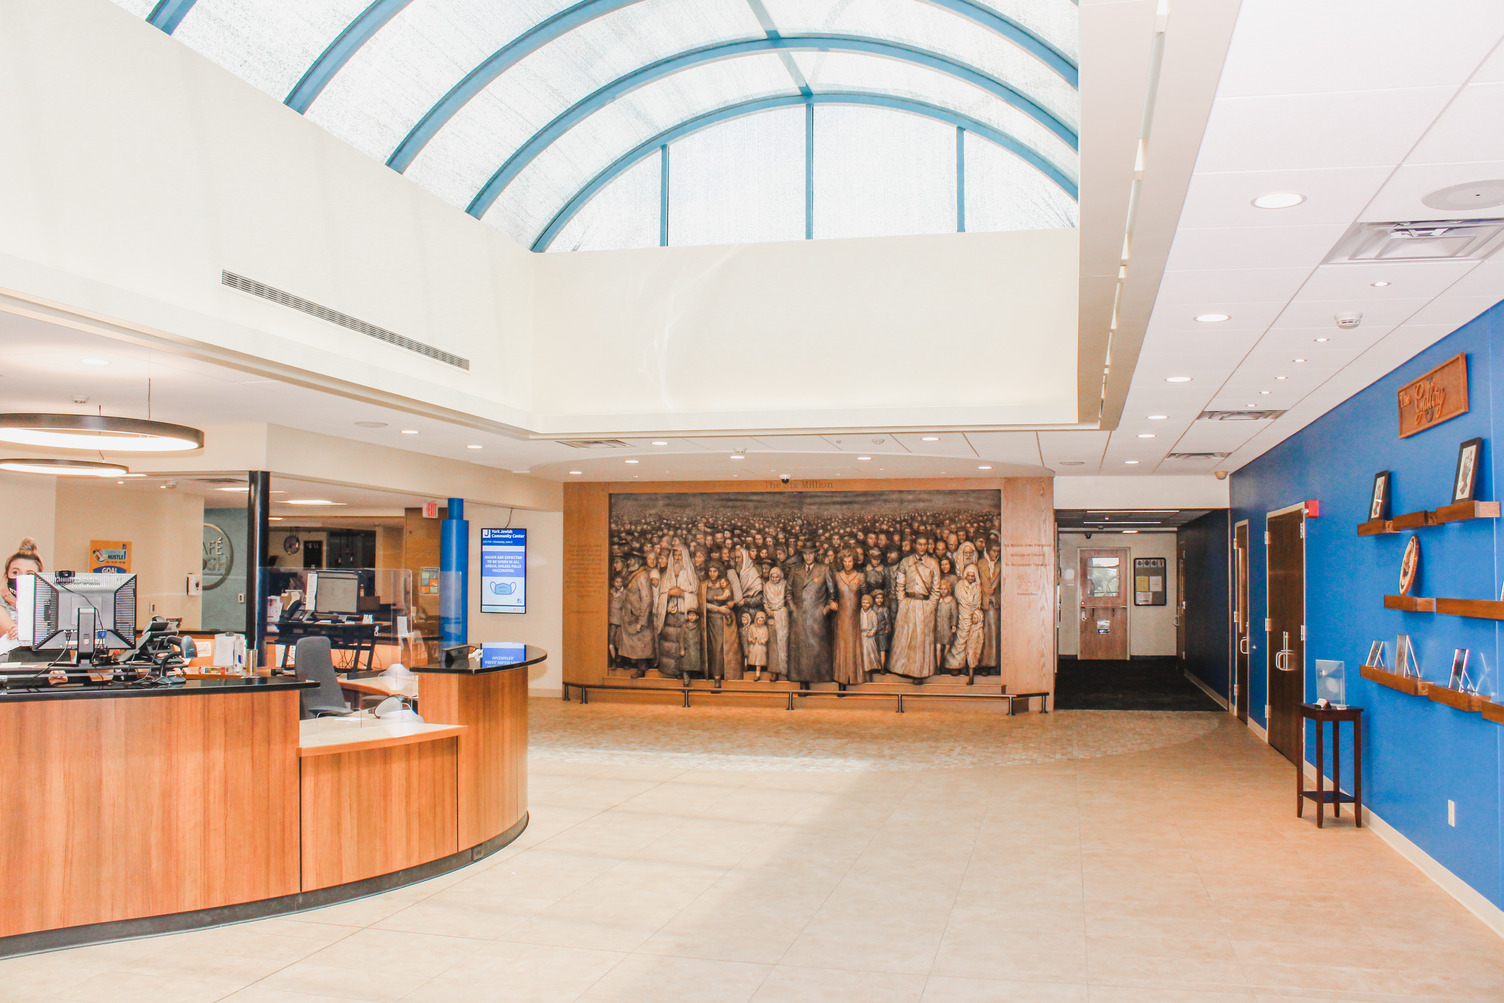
{"x": 25, "y": 561}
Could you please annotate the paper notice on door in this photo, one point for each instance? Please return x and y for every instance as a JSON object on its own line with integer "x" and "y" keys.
{"x": 1143, "y": 598}
{"x": 1104, "y": 626}
{"x": 1156, "y": 583}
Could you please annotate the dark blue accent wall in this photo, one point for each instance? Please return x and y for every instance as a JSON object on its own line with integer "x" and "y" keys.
{"x": 1205, "y": 544}
{"x": 1417, "y": 754}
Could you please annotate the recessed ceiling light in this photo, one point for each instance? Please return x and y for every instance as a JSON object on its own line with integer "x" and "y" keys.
{"x": 1146, "y": 435}
{"x": 1158, "y": 417}
{"x": 311, "y": 501}
{"x": 1130, "y": 532}
{"x": 737, "y": 456}
{"x": 1130, "y": 462}
{"x": 1177, "y": 379}
{"x": 409, "y": 431}
{"x": 930, "y": 438}
{"x": 1297, "y": 360}
{"x": 1319, "y": 340}
{"x": 1379, "y": 284}
{"x": 864, "y": 457}
{"x": 1282, "y": 377}
{"x": 984, "y": 467}
{"x": 1071, "y": 463}
{"x": 95, "y": 362}
{"x": 1279, "y": 200}
{"x": 1212, "y": 318}
{"x": 1265, "y": 393}
{"x": 660, "y": 442}
{"x": 64, "y": 468}
{"x": 370, "y": 424}
{"x": 634, "y": 461}
{"x": 576, "y": 473}
{"x": 97, "y": 432}
{"x": 474, "y": 446}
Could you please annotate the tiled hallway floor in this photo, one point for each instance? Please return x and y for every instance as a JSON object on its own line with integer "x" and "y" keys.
{"x": 834, "y": 855}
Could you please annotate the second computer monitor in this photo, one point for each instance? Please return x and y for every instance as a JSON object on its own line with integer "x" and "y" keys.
{"x": 334, "y": 592}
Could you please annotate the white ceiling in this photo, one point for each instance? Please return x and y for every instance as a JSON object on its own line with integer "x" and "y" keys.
{"x": 1363, "y": 106}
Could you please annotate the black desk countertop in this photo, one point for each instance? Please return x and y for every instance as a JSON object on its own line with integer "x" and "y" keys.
{"x": 490, "y": 657}
{"x": 115, "y": 690}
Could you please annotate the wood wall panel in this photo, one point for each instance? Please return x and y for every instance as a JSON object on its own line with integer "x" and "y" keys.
{"x": 492, "y": 774}
{"x": 378, "y": 810}
{"x": 198, "y": 793}
{"x": 1028, "y": 539}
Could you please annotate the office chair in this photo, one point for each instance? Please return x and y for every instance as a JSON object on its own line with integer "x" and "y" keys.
{"x": 312, "y": 663}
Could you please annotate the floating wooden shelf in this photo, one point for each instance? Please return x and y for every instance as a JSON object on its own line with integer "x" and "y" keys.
{"x": 1466, "y": 510}
{"x": 1457, "y": 699}
{"x": 1481, "y": 609}
{"x": 1374, "y": 527}
{"x": 1395, "y": 681}
{"x": 1493, "y": 712}
{"x": 1410, "y": 604}
{"x": 1411, "y": 520}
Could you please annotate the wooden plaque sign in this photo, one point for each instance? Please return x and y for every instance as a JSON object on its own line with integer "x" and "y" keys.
{"x": 1435, "y": 397}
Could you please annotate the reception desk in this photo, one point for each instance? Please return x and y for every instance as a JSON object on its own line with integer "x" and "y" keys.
{"x": 127, "y": 811}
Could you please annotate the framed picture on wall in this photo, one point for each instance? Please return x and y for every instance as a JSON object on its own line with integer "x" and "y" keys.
{"x": 1466, "y": 480}
{"x": 1458, "y": 678}
{"x": 1378, "y": 506}
{"x": 1376, "y": 655}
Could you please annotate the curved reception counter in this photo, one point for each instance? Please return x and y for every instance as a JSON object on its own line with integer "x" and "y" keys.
{"x": 127, "y": 811}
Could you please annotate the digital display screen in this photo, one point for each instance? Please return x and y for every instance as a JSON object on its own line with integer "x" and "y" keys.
{"x": 503, "y": 571}
{"x": 494, "y": 655}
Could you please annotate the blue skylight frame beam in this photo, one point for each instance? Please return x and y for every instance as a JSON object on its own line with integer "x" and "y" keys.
{"x": 333, "y": 59}
{"x": 168, "y": 14}
{"x": 644, "y": 75}
{"x": 572, "y": 17}
{"x": 742, "y": 109}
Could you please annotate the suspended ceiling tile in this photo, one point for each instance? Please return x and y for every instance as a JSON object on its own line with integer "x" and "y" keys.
{"x": 1487, "y": 279}
{"x": 865, "y": 443}
{"x": 946, "y": 444}
{"x": 1407, "y": 280}
{"x": 726, "y": 444}
{"x": 1006, "y": 447}
{"x": 794, "y": 443}
{"x": 1453, "y": 310}
{"x": 1217, "y": 436}
{"x": 1400, "y": 199}
{"x": 1086, "y": 446}
{"x": 1332, "y": 196}
{"x": 1252, "y": 246}
{"x": 1178, "y": 320}
{"x": 1461, "y": 133}
{"x": 1304, "y": 131}
{"x": 1305, "y": 311}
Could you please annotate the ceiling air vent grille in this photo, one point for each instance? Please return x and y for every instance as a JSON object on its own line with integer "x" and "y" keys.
{"x": 593, "y": 443}
{"x": 1238, "y": 415}
{"x": 1197, "y": 456}
{"x": 344, "y": 320}
{"x": 1420, "y": 240}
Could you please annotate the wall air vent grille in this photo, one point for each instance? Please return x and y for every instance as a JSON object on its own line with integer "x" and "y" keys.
{"x": 593, "y": 443}
{"x": 1197, "y": 456}
{"x": 1420, "y": 240}
{"x": 1238, "y": 415}
{"x": 344, "y": 320}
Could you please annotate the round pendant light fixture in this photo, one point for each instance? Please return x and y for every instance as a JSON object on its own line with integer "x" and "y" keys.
{"x": 97, "y": 432}
{"x": 62, "y": 468}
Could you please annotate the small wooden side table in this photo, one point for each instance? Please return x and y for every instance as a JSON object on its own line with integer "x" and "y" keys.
{"x": 1334, "y": 797}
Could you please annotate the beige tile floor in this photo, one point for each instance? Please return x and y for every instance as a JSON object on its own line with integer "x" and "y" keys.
{"x": 755, "y": 855}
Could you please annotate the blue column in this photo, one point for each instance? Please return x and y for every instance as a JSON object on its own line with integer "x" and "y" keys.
{"x": 454, "y": 575}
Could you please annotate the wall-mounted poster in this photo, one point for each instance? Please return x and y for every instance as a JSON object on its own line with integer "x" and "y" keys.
{"x": 503, "y": 571}
{"x": 1378, "y": 505}
{"x": 1465, "y": 481}
{"x": 808, "y": 586}
{"x": 110, "y": 556}
{"x": 1149, "y": 587}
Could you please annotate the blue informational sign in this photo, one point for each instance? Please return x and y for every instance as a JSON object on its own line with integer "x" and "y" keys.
{"x": 494, "y": 654}
{"x": 503, "y": 571}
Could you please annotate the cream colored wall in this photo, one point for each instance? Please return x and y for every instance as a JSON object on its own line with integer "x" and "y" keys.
{"x": 1151, "y": 629}
{"x": 815, "y": 333}
{"x": 165, "y": 529}
{"x": 28, "y": 506}
{"x": 543, "y": 623}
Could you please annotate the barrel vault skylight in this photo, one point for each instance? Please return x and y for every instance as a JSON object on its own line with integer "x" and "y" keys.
{"x": 605, "y": 124}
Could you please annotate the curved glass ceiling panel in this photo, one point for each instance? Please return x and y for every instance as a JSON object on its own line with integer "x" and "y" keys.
{"x": 881, "y": 173}
{"x": 1004, "y": 193}
{"x": 1056, "y": 21}
{"x": 927, "y": 27}
{"x": 623, "y": 214}
{"x": 845, "y": 71}
{"x": 267, "y": 43}
{"x": 469, "y": 149}
{"x": 388, "y": 85}
{"x": 739, "y": 182}
{"x": 529, "y": 202}
{"x": 140, "y": 8}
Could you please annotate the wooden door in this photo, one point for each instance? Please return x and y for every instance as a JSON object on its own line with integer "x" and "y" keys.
{"x": 1102, "y": 588}
{"x": 1285, "y": 645}
{"x": 1242, "y": 637}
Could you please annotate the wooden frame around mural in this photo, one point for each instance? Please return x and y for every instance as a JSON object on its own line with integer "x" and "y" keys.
{"x": 1438, "y": 396}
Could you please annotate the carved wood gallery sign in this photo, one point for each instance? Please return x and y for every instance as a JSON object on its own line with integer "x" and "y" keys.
{"x": 1436, "y": 397}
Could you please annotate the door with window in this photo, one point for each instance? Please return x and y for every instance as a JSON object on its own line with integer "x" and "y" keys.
{"x": 1242, "y": 636}
{"x": 1286, "y": 642}
{"x": 1103, "y": 592}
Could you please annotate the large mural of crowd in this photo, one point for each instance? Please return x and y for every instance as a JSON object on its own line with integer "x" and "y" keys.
{"x": 810, "y": 587}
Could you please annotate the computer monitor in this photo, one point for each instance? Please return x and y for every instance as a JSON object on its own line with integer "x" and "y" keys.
{"x": 334, "y": 592}
{"x": 72, "y": 612}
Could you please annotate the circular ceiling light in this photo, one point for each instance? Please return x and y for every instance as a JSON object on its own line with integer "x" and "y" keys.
{"x": 1320, "y": 340}
{"x": 1158, "y": 417}
{"x": 1279, "y": 200}
{"x": 576, "y": 473}
{"x": 1177, "y": 379}
{"x": 660, "y": 442}
{"x": 1146, "y": 435}
{"x": 634, "y": 461}
{"x": 370, "y": 424}
{"x": 930, "y": 438}
{"x": 63, "y": 468}
{"x": 409, "y": 431}
{"x": 98, "y": 432}
{"x": 474, "y": 446}
{"x": 1469, "y": 195}
{"x": 1282, "y": 377}
{"x": 1265, "y": 393}
{"x": 864, "y": 457}
{"x": 734, "y": 456}
{"x": 984, "y": 467}
{"x": 1379, "y": 284}
{"x": 1297, "y": 360}
{"x": 1130, "y": 462}
{"x": 1212, "y": 318}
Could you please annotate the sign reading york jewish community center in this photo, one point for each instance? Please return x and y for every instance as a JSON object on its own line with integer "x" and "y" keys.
{"x": 503, "y": 571}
